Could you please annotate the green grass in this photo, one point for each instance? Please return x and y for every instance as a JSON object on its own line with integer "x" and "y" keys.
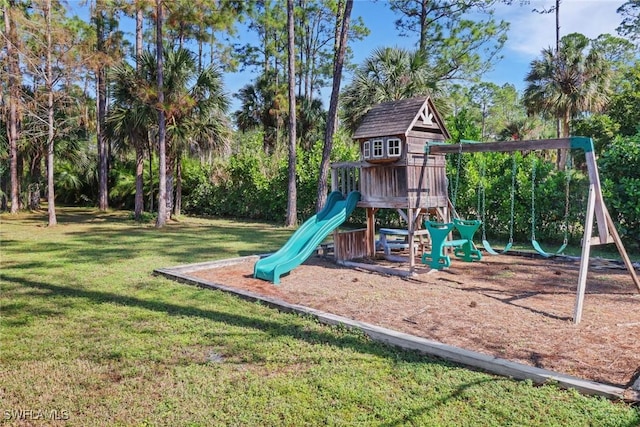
{"x": 90, "y": 336}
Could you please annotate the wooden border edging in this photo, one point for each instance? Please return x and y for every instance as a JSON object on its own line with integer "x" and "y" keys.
{"x": 484, "y": 362}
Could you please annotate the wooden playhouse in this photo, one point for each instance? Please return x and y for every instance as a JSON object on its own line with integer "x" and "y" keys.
{"x": 394, "y": 172}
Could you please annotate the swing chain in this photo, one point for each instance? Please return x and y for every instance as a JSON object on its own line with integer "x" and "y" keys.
{"x": 533, "y": 198}
{"x": 514, "y": 171}
{"x": 482, "y": 204}
{"x": 565, "y": 226}
{"x": 457, "y": 181}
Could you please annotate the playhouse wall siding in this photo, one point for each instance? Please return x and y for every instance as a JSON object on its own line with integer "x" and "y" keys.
{"x": 384, "y": 186}
{"x": 426, "y": 181}
{"x": 417, "y": 182}
{"x": 416, "y": 141}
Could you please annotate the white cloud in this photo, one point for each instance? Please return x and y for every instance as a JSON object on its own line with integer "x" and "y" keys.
{"x": 531, "y": 32}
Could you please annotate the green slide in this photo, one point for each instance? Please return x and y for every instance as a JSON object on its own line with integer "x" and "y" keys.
{"x": 307, "y": 238}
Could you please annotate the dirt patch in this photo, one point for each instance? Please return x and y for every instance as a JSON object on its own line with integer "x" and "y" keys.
{"x": 513, "y": 307}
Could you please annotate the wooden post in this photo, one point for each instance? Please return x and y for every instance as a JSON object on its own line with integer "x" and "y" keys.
{"x": 411, "y": 229}
{"x": 334, "y": 179}
{"x": 371, "y": 232}
{"x": 584, "y": 258}
{"x": 594, "y": 178}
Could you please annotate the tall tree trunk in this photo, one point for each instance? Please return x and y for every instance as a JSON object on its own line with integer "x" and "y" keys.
{"x": 51, "y": 198}
{"x": 332, "y": 114}
{"x": 423, "y": 25}
{"x": 170, "y": 167}
{"x": 14, "y": 88}
{"x": 35, "y": 176}
{"x": 139, "y": 40}
{"x": 139, "y": 197}
{"x": 162, "y": 138}
{"x": 103, "y": 195}
{"x": 200, "y": 49}
{"x": 20, "y": 174}
{"x": 139, "y": 142}
{"x": 177, "y": 206}
{"x": 564, "y": 153}
{"x": 151, "y": 193}
{"x": 292, "y": 210}
{"x": 557, "y": 10}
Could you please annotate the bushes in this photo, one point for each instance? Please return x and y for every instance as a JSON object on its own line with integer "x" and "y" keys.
{"x": 620, "y": 171}
{"x": 251, "y": 184}
{"x": 549, "y": 193}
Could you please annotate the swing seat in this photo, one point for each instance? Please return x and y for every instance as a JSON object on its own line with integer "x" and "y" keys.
{"x": 438, "y": 231}
{"x": 464, "y": 247}
{"x": 467, "y": 251}
{"x": 490, "y": 250}
{"x": 546, "y": 254}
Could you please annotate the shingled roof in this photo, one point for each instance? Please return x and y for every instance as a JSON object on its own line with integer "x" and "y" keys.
{"x": 399, "y": 117}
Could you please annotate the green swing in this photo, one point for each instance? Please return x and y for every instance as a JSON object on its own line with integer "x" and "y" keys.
{"x": 482, "y": 208}
{"x": 534, "y": 242}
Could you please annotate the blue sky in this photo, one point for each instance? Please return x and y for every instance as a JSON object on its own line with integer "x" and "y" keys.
{"x": 529, "y": 33}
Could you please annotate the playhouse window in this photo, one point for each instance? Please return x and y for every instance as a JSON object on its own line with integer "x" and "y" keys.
{"x": 378, "y": 148}
{"x": 366, "y": 149}
{"x": 393, "y": 147}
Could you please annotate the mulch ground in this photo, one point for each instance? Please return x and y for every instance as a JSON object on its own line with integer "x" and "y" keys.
{"x": 514, "y": 307}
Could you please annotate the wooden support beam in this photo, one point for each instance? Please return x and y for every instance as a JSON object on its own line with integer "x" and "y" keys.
{"x": 371, "y": 232}
{"x": 594, "y": 179}
{"x": 411, "y": 229}
{"x": 504, "y": 146}
{"x": 621, "y": 249}
{"x": 403, "y": 215}
{"x": 584, "y": 258}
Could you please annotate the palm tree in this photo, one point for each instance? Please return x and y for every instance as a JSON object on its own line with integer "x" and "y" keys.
{"x": 566, "y": 82}
{"x": 248, "y": 117}
{"x": 128, "y": 122}
{"x": 389, "y": 74}
{"x": 263, "y": 104}
{"x": 310, "y": 119}
{"x": 517, "y": 130}
{"x": 194, "y": 106}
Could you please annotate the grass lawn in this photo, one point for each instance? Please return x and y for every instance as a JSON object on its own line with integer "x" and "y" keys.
{"x": 90, "y": 337}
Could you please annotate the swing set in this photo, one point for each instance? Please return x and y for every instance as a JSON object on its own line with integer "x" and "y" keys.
{"x": 596, "y": 208}
{"x": 482, "y": 211}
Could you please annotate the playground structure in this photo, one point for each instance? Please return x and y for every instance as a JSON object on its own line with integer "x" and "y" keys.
{"x": 420, "y": 175}
{"x": 395, "y": 171}
{"x": 402, "y": 167}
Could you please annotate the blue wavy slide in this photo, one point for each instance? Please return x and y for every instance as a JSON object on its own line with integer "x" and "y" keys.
{"x": 307, "y": 237}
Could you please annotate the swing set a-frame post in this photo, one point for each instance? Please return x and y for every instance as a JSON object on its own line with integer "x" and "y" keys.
{"x": 596, "y": 207}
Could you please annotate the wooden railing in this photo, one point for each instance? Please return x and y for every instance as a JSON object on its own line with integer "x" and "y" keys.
{"x": 345, "y": 177}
